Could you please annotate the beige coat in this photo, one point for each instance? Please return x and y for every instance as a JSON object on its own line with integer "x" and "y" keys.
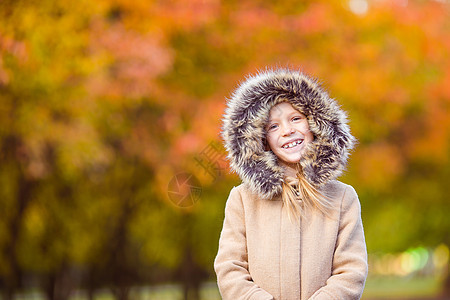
{"x": 263, "y": 255}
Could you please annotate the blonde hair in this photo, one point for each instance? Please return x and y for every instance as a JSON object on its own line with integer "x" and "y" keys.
{"x": 299, "y": 196}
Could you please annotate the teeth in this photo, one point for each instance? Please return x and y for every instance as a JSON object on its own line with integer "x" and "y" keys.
{"x": 290, "y": 145}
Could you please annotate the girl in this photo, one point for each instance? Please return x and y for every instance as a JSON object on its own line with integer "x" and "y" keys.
{"x": 291, "y": 230}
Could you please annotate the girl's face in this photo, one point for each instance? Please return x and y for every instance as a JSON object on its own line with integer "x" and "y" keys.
{"x": 287, "y": 133}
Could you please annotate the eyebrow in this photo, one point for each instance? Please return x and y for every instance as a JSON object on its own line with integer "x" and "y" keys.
{"x": 289, "y": 115}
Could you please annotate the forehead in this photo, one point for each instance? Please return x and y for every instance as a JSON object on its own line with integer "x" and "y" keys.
{"x": 281, "y": 109}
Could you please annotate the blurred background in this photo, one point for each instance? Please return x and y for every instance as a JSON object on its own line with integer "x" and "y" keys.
{"x": 113, "y": 178}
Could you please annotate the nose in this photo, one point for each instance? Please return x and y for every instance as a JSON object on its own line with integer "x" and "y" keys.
{"x": 287, "y": 130}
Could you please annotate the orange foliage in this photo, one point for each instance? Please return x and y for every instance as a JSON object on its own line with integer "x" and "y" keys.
{"x": 135, "y": 59}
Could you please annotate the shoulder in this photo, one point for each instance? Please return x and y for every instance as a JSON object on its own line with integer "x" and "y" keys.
{"x": 237, "y": 191}
{"x": 240, "y": 201}
{"x": 244, "y": 197}
{"x": 244, "y": 192}
{"x": 335, "y": 186}
{"x": 341, "y": 193}
{"x": 237, "y": 195}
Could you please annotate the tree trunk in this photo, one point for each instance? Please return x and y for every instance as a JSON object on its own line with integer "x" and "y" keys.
{"x": 8, "y": 294}
{"x": 445, "y": 293}
{"x": 191, "y": 276}
{"x": 121, "y": 292}
{"x": 11, "y": 151}
{"x": 14, "y": 278}
{"x": 50, "y": 287}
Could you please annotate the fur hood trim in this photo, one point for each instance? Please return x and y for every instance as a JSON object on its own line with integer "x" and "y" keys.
{"x": 246, "y": 117}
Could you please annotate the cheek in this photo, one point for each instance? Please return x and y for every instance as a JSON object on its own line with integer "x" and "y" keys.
{"x": 309, "y": 136}
{"x": 305, "y": 125}
{"x": 305, "y": 130}
{"x": 271, "y": 141}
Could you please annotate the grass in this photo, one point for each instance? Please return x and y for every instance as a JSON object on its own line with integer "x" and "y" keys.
{"x": 401, "y": 288}
{"x": 376, "y": 288}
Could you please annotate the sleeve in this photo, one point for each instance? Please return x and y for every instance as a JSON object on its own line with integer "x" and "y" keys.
{"x": 350, "y": 268}
{"x": 231, "y": 263}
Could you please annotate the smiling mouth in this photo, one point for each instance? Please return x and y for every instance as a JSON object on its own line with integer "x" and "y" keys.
{"x": 292, "y": 144}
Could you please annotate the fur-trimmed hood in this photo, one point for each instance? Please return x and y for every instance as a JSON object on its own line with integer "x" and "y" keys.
{"x": 246, "y": 117}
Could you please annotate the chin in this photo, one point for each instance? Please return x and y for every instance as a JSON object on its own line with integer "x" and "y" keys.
{"x": 292, "y": 160}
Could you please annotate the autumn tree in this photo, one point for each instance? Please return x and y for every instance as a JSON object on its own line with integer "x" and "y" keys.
{"x": 103, "y": 103}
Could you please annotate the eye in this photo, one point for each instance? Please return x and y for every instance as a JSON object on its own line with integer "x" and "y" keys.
{"x": 297, "y": 118}
{"x": 272, "y": 127}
